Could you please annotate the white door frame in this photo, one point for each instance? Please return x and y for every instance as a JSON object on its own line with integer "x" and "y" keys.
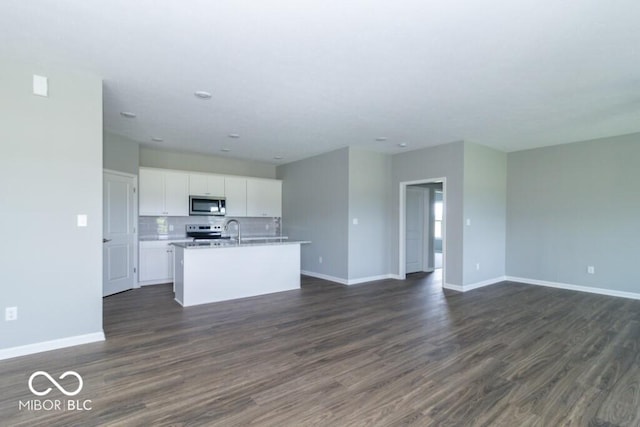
{"x": 135, "y": 221}
{"x": 402, "y": 270}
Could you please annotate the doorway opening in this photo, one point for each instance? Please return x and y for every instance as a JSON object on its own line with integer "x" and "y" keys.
{"x": 422, "y": 228}
{"x": 438, "y": 218}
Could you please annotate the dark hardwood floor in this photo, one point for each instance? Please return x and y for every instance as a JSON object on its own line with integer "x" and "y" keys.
{"x": 386, "y": 353}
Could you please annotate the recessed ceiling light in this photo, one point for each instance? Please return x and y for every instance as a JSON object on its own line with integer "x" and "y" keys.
{"x": 226, "y": 150}
{"x": 381, "y": 138}
{"x": 234, "y": 135}
{"x": 278, "y": 158}
{"x": 202, "y": 94}
{"x": 402, "y": 145}
{"x": 157, "y": 139}
{"x": 128, "y": 114}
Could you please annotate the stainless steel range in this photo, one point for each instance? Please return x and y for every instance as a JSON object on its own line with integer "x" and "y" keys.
{"x": 204, "y": 232}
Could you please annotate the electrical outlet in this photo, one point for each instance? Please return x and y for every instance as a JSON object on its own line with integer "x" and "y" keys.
{"x": 266, "y": 227}
{"x": 478, "y": 266}
{"x": 10, "y": 313}
{"x": 320, "y": 260}
{"x": 591, "y": 269}
{"x": 170, "y": 227}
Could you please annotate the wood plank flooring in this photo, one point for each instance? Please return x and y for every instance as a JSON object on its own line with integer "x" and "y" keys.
{"x": 389, "y": 353}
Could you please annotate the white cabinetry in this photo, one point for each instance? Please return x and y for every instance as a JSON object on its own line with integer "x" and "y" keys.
{"x": 206, "y": 185}
{"x": 176, "y": 199}
{"x": 166, "y": 192}
{"x": 163, "y": 193}
{"x": 236, "y": 196}
{"x": 264, "y": 197}
{"x": 156, "y": 262}
{"x": 151, "y": 192}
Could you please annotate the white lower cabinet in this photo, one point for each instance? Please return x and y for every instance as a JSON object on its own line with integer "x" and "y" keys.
{"x": 156, "y": 262}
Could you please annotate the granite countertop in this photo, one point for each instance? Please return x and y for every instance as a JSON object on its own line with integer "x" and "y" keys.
{"x": 233, "y": 243}
{"x": 157, "y": 238}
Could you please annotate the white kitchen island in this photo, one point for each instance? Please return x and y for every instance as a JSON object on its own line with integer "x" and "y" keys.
{"x": 222, "y": 270}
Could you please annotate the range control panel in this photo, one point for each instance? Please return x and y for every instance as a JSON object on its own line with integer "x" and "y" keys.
{"x": 203, "y": 227}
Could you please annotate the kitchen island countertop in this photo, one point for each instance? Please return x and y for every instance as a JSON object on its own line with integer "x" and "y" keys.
{"x": 226, "y": 243}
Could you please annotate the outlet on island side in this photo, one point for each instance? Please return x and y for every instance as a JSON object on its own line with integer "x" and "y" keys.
{"x": 591, "y": 269}
{"x": 320, "y": 260}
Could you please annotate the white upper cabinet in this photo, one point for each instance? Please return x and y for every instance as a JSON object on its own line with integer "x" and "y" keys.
{"x": 235, "y": 189}
{"x": 163, "y": 193}
{"x": 264, "y": 197}
{"x": 176, "y": 199}
{"x": 206, "y": 185}
{"x": 151, "y": 190}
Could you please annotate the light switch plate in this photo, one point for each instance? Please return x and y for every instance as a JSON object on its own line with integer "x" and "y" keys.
{"x": 82, "y": 220}
{"x": 40, "y": 85}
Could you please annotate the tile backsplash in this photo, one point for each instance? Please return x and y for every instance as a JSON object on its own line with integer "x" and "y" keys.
{"x": 174, "y": 226}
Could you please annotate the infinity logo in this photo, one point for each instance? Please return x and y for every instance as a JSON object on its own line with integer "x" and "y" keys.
{"x": 55, "y": 383}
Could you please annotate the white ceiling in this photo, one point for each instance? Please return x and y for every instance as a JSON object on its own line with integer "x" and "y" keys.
{"x": 297, "y": 78}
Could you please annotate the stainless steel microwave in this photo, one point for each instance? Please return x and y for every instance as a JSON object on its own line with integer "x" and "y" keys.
{"x": 202, "y": 205}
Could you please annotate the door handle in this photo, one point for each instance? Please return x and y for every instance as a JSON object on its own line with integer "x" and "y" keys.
{"x": 106, "y": 240}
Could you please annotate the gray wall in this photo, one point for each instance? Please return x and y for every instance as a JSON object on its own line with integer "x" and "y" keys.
{"x": 120, "y": 153}
{"x": 315, "y": 207}
{"x": 440, "y": 161}
{"x": 485, "y": 194}
{"x": 369, "y": 192}
{"x": 575, "y": 205}
{"x": 202, "y": 163}
{"x": 50, "y": 171}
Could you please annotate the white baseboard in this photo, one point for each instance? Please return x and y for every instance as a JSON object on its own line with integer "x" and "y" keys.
{"x": 324, "y": 277}
{"x": 349, "y": 281}
{"x": 153, "y": 282}
{"x": 24, "y": 350}
{"x": 472, "y": 286}
{"x": 372, "y": 279}
{"x": 451, "y": 287}
{"x": 567, "y": 286}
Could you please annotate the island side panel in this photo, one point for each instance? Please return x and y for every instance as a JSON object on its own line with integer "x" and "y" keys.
{"x": 178, "y": 274}
{"x": 219, "y": 274}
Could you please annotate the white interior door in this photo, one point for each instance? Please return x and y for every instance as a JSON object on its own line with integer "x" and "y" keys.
{"x": 118, "y": 271}
{"x": 414, "y": 230}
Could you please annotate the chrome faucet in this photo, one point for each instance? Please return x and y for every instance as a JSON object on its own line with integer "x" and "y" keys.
{"x": 226, "y": 226}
